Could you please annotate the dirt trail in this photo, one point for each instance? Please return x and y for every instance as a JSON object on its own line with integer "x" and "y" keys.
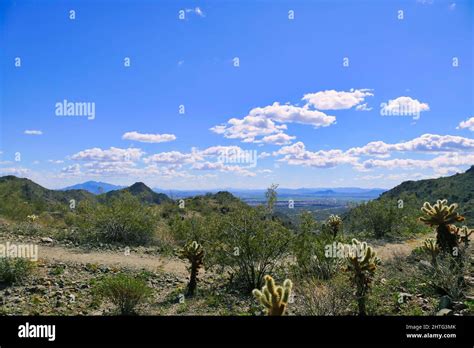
{"x": 174, "y": 266}
{"x": 389, "y": 250}
{"x": 152, "y": 263}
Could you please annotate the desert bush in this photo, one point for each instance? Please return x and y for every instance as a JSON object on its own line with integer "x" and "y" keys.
{"x": 248, "y": 245}
{"x": 446, "y": 276}
{"x": 309, "y": 247}
{"x": 330, "y": 297}
{"x": 385, "y": 218}
{"x": 15, "y": 270}
{"x": 124, "y": 291}
{"x": 191, "y": 227}
{"x": 123, "y": 220}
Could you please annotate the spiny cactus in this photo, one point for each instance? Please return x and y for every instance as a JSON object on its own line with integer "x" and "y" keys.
{"x": 362, "y": 263}
{"x": 430, "y": 246}
{"x": 443, "y": 216}
{"x": 194, "y": 253}
{"x": 274, "y": 297}
{"x": 464, "y": 233}
{"x": 335, "y": 223}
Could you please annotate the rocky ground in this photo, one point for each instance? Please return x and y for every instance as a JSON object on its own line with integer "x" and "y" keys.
{"x": 65, "y": 278}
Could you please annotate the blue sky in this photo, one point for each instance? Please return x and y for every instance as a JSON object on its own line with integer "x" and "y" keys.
{"x": 311, "y": 120}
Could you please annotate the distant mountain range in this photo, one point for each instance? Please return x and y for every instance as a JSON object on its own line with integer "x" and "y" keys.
{"x": 355, "y": 193}
{"x": 348, "y": 193}
{"x": 94, "y": 187}
{"x": 16, "y": 191}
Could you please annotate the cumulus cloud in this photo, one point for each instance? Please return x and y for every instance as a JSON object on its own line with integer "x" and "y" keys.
{"x": 339, "y": 100}
{"x": 71, "y": 170}
{"x": 469, "y": 124}
{"x": 403, "y": 106}
{"x": 220, "y": 166}
{"x": 451, "y": 151}
{"x": 271, "y": 120}
{"x": 448, "y": 160}
{"x": 423, "y": 143}
{"x": 294, "y": 114}
{"x": 17, "y": 171}
{"x": 33, "y": 132}
{"x": 113, "y": 154}
{"x": 148, "y": 138}
{"x": 172, "y": 157}
{"x": 297, "y": 154}
{"x": 278, "y": 139}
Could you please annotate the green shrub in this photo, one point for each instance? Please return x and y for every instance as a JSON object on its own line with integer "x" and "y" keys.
{"x": 309, "y": 249}
{"x": 329, "y": 297}
{"x": 124, "y": 291}
{"x": 248, "y": 245}
{"x": 15, "y": 270}
{"x": 123, "y": 220}
{"x": 385, "y": 218}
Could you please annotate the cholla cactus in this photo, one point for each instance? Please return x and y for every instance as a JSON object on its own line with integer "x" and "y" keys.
{"x": 362, "y": 263}
{"x": 274, "y": 298}
{"x": 443, "y": 216}
{"x": 32, "y": 218}
{"x": 430, "y": 246}
{"x": 194, "y": 253}
{"x": 335, "y": 223}
{"x": 464, "y": 233}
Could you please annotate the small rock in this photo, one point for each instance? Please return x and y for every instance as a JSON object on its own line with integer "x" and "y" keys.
{"x": 425, "y": 264}
{"x": 459, "y": 306}
{"x": 444, "y": 312}
{"x": 47, "y": 240}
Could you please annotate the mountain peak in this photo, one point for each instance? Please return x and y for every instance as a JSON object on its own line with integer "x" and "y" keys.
{"x": 470, "y": 170}
{"x": 139, "y": 187}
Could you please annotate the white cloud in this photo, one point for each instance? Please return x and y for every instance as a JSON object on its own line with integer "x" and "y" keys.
{"x": 72, "y": 170}
{"x": 111, "y": 155}
{"x": 248, "y": 128}
{"x": 297, "y": 154}
{"x": 33, "y": 132}
{"x": 220, "y": 166}
{"x": 452, "y": 152}
{"x": 56, "y": 161}
{"x": 403, "y": 106}
{"x": 338, "y": 100}
{"x": 271, "y": 120}
{"x": 447, "y": 160}
{"x": 197, "y": 11}
{"x": 469, "y": 124}
{"x": 172, "y": 157}
{"x": 17, "y": 171}
{"x": 424, "y": 143}
{"x": 294, "y": 114}
{"x": 278, "y": 139}
{"x": 149, "y": 138}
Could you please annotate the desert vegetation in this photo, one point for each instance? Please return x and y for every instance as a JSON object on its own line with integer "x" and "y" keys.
{"x": 214, "y": 254}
